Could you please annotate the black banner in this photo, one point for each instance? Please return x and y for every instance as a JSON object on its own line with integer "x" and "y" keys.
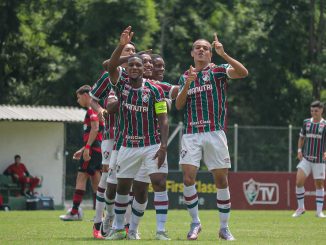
{"x": 205, "y": 187}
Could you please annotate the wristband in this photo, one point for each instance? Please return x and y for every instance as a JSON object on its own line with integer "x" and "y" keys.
{"x": 87, "y": 146}
{"x": 299, "y": 150}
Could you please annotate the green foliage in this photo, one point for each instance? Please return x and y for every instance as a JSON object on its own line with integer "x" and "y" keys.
{"x": 50, "y": 48}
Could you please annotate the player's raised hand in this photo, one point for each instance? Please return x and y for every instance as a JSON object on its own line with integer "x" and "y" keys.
{"x": 126, "y": 36}
{"x": 218, "y": 46}
{"x": 192, "y": 75}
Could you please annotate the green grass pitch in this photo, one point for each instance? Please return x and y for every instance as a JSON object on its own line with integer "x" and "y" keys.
{"x": 248, "y": 227}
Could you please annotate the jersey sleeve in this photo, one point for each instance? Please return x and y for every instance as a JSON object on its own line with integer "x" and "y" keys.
{"x": 303, "y": 130}
{"x": 221, "y": 71}
{"x": 101, "y": 86}
{"x": 92, "y": 115}
{"x": 167, "y": 89}
{"x": 181, "y": 82}
{"x": 123, "y": 76}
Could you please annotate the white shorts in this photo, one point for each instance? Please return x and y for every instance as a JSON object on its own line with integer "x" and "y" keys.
{"x": 318, "y": 169}
{"x": 132, "y": 161}
{"x": 213, "y": 145}
{"x": 112, "y": 176}
{"x": 106, "y": 149}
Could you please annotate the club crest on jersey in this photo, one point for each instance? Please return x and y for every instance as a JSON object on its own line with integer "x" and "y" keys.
{"x": 145, "y": 98}
{"x": 125, "y": 92}
{"x": 206, "y": 77}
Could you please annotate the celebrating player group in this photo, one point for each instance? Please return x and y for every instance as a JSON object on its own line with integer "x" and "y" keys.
{"x": 132, "y": 100}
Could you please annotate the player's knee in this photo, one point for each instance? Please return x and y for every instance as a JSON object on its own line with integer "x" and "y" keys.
{"x": 189, "y": 180}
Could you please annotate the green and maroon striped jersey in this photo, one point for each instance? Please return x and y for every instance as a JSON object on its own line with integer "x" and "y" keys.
{"x": 138, "y": 120}
{"x": 314, "y": 140}
{"x": 109, "y": 129}
{"x": 166, "y": 87}
{"x": 101, "y": 87}
{"x": 206, "y": 105}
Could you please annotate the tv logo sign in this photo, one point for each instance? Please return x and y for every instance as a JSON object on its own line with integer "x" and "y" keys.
{"x": 261, "y": 193}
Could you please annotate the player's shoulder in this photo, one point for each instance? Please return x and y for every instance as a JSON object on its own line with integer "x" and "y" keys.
{"x": 306, "y": 120}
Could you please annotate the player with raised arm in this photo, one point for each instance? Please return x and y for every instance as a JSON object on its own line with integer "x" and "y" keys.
{"x": 142, "y": 108}
{"x": 102, "y": 92}
{"x": 312, "y": 156}
{"x": 203, "y": 94}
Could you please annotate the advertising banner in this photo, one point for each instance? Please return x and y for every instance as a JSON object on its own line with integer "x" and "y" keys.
{"x": 249, "y": 191}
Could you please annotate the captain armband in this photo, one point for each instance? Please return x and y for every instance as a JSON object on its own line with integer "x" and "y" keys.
{"x": 160, "y": 107}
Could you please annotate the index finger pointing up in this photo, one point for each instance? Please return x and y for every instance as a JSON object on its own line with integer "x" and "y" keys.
{"x": 215, "y": 37}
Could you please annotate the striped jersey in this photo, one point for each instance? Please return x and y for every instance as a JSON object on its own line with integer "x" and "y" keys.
{"x": 166, "y": 87}
{"x": 206, "y": 104}
{"x": 91, "y": 116}
{"x": 137, "y": 118}
{"x": 109, "y": 129}
{"x": 314, "y": 140}
{"x": 101, "y": 87}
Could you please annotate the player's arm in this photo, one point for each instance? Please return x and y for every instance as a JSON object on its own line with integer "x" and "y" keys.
{"x": 98, "y": 109}
{"x": 92, "y": 136}
{"x": 300, "y": 145}
{"x": 162, "y": 116}
{"x": 237, "y": 70}
{"x": 113, "y": 64}
{"x": 181, "y": 99}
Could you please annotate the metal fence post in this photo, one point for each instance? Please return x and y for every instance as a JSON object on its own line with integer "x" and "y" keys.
{"x": 290, "y": 148}
{"x": 180, "y": 126}
{"x": 235, "y": 147}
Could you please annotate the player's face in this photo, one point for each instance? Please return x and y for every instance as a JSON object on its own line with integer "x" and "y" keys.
{"x": 81, "y": 99}
{"x": 202, "y": 51}
{"x": 135, "y": 68}
{"x": 158, "y": 69}
{"x": 128, "y": 50}
{"x": 148, "y": 65}
{"x": 17, "y": 160}
{"x": 316, "y": 112}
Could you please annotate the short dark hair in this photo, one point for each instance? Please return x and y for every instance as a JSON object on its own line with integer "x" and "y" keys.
{"x": 133, "y": 44}
{"x": 156, "y": 56}
{"x": 317, "y": 103}
{"x": 83, "y": 89}
{"x": 17, "y": 156}
{"x": 136, "y": 56}
{"x": 201, "y": 39}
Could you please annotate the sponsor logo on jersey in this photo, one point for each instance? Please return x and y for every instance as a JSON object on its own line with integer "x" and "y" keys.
{"x": 199, "y": 123}
{"x": 314, "y": 136}
{"x": 261, "y": 193}
{"x": 138, "y": 108}
{"x": 85, "y": 127}
{"x": 200, "y": 89}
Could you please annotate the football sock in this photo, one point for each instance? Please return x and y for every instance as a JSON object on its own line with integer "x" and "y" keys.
{"x": 137, "y": 212}
{"x": 299, "y": 191}
{"x": 191, "y": 200}
{"x": 319, "y": 200}
{"x": 224, "y": 206}
{"x": 120, "y": 206}
{"x": 76, "y": 200}
{"x": 161, "y": 203}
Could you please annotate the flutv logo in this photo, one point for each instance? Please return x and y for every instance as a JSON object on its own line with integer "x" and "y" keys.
{"x": 261, "y": 193}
